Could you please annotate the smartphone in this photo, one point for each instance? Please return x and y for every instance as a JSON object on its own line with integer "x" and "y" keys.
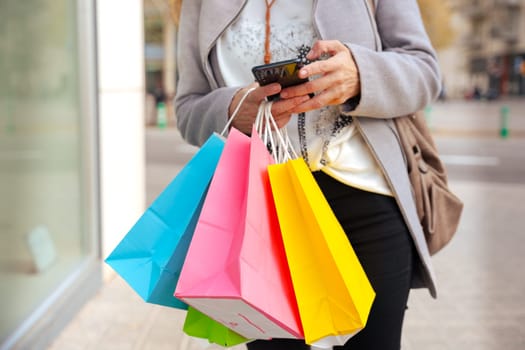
{"x": 282, "y": 72}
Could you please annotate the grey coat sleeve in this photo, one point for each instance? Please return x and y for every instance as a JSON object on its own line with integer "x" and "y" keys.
{"x": 200, "y": 110}
{"x": 403, "y": 77}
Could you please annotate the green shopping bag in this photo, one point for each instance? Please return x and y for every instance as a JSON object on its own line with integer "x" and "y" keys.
{"x": 199, "y": 325}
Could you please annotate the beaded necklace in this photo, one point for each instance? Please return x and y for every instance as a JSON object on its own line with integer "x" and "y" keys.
{"x": 339, "y": 123}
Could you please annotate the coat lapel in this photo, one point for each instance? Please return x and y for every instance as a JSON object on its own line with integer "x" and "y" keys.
{"x": 349, "y": 29}
{"x": 215, "y": 17}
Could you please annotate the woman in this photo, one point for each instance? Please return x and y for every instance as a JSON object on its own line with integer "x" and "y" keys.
{"x": 361, "y": 78}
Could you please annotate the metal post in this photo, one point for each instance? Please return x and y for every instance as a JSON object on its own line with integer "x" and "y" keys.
{"x": 504, "y": 122}
{"x": 428, "y": 112}
{"x": 162, "y": 118}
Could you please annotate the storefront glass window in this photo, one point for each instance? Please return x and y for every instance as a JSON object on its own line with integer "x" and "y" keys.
{"x": 43, "y": 238}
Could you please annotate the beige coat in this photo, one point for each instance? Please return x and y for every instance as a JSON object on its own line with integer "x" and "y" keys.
{"x": 399, "y": 79}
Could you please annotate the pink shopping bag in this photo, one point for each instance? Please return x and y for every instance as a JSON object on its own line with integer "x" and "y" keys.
{"x": 236, "y": 270}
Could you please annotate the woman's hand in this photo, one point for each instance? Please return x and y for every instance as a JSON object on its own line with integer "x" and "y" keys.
{"x": 281, "y": 109}
{"x": 338, "y": 77}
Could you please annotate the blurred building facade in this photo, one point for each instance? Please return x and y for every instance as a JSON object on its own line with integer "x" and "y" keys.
{"x": 160, "y": 60}
{"x": 494, "y": 46}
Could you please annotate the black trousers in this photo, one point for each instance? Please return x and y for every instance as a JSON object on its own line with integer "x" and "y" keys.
{"x": 376, "y": 229}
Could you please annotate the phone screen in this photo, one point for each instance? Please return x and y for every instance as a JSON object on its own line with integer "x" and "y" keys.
{"x": 282, "y": 72}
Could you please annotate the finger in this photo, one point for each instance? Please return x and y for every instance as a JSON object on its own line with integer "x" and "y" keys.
{"x": 338, "y": 85}
{"x": 326, "y": 98}
{"x": 251, "y": 105}
{"x": 322, "y": 67}
{"x": 305, "y": 88}
{"x": 284, "y": 106}
{"x": 266, "y": 90}
{"x": 281, "y": 109}
{"x": 312, "y": 104}
{"x": 325, "y": 48}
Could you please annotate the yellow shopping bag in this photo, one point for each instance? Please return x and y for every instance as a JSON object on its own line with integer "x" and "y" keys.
{"x": 333, "y": 293}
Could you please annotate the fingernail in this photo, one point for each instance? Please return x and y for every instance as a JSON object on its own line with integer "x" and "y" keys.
{"x": 284, "y": 94}
{"x": 303, "y": 73}
{"x": 275, "y": 89}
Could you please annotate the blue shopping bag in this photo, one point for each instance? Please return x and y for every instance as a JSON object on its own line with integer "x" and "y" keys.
{"x": 150, "y": 256}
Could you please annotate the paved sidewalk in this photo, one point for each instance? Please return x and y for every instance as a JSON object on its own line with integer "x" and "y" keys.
{"x": 481, "y": 302}
{"x": 477, "y": 118}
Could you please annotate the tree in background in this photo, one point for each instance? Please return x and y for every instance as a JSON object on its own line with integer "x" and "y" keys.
{"x": 437, "y": 17}
{"x": 175, "y": 10}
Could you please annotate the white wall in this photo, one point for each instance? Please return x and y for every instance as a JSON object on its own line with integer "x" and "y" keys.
{"x": 454, "y": 70}
{"x": 121, "y": 109}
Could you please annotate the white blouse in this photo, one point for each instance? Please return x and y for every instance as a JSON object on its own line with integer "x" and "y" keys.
{"x": 340, "y": 153}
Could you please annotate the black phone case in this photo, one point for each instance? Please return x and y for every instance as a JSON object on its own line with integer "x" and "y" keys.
{"x": 282, "y": 72}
